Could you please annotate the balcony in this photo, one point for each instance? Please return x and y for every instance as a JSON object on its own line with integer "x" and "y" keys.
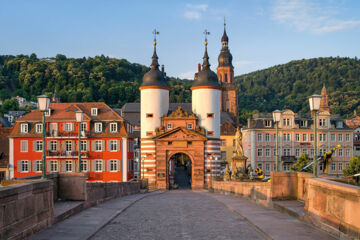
{"x": 288, "y": 159}
{"x": 72, "y": 134}
{"x": 65, "y": 154}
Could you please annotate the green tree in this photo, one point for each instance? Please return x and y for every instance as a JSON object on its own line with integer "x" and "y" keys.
{"x": 353, "y": 168}
{"x": 301, "y": 162}
{"x": 10, "y": 105}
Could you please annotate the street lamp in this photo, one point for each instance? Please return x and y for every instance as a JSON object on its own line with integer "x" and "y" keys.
{"x": 314, "y": 102}
{"x": 276, "y": 118}
{"x": 43, "y": 105}
{"x": 142, "y": 169}
{"x": 79, "y": 118}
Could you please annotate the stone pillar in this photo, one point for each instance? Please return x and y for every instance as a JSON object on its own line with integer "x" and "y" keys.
{"x": 124, "y": 159}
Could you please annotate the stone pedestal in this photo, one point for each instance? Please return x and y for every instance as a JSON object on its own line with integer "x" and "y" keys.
{"x": 238, "y": 162}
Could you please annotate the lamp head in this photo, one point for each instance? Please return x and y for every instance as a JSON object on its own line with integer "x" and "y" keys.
{"x": 314, "y": 102}
{"x": 276, "y": 115}
{"x": 79, "y": 116}
{"x": 43, "y": 103}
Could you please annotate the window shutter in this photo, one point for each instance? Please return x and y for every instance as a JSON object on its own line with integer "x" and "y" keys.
{"x": 118, "y": 165}
{"x": 107, "y": 165}
{"x": 19, "y": 165}
{"x": 92, "y": 165}
{"x": 47, "y": 145}
{"x": 48, "y": 163}
{"x": 63, "y": 147}
{"x": 108, "y": 145}
{"x": 62, "y": 166}
{"x": 33, "y": 166}
{"x": 87, "y": 146}
{"x": 72, "y": 145}
{"x": 57, "y": 145}
{"x": 117, "y": 145}
{"x": 34, "y": 145}
{"x": 93, "y": 145}
{"x": 103, "y": 145}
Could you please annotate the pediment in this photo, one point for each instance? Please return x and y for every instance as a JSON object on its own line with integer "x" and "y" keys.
{"x": 180, "y": 133}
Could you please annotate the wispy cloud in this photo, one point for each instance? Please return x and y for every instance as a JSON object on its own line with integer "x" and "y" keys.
{"x": 195, "y": 11}
{"x": 305, "y": 15}
{"x": 187, "y": 75}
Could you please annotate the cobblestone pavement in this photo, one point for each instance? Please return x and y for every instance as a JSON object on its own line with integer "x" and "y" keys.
{"x": 179, "y": 214}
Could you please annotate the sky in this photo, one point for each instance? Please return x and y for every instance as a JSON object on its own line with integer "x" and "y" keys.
{"x": 262, "y": 33}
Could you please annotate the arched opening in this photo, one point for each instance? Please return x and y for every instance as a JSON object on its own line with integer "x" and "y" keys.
{"x": 180, "y": 171}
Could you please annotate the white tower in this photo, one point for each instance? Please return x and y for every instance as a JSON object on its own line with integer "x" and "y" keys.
{"x": 154, "y": 103}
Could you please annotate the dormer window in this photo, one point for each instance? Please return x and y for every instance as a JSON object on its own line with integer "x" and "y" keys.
{"x": 322, "y": 122}
{"x": 48, "y": 112}
{"x": 24, "y": 128}
{"x": 267, "y": 123}
{"x": 286, "y": 122}
{"x": 303, "y": 123}
{"x": 113, "y": 127}
{"x": 339, "y": 124}
{"x": 94, "y": 111}
{"x": 98, "y": 127}
{"x": 38, "y": 128}
{"x": 169, "y": 126}
{"x": 189, "y": 126}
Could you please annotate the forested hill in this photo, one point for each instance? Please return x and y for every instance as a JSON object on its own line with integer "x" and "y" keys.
{"x": 114, "y": 81}
{"x": 287, "y": 86}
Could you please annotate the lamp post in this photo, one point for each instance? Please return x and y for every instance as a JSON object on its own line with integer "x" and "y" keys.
{"x": 79, "y": 115}
{"x": 43, "y": 105}
{"x": 142, "y": 166}
{"x": 314, "y": 102}
{"x": 276, "y": 118}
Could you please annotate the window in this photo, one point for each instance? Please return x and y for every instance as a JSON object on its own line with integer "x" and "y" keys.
{"x": 267, "y": 123}
{"x": 84, "y": 166}
{"x": 38, "y": 146}
{"x": 223, "y": 155}
{"x": 68, "y": 146}
{"x": 347, "y": 165}
{"x": 48, "y": 113}
{"x": 98, "y": 127}
{"x": 259, "y": 152}
{"x": 297, "y": 152}
{"x": 311, "y": 152}
{"x": 304, "y": 150}
{"x": 223, "y": 142}
{"x": 333, "y": 138}
{"x": 210, "y": 115}
{"x": 297, "y": 137}
{"x": 24, "y": 166}
{"x": 259, "y": 137}
{"x": 94, "y": 111}
{"x": 113, "y": 127}
{"x": 322, "y": 122}
{"x": 286, "y": 122}
{"x": 98, "y": 145}
{"x": 348, "y": 152}
{"x": 113, "y": 165}
{"x": 53, "y": 146}
{"x": 149, "y": 133}
{"x": 347, "y": 137}
{"x": 189, "y": 126}
{"x": 98, "y": 165}
{"x": 322, "y": 137}
{"x": 304, "y": 137}
{"x": 267, "y": 152}
{"x": 149, "y": 115}
{"x": 23, "y": 146}
{"x": 169, "y": 143}
{"x": 38, "y": 166}
{"x": 333, "y": 167}
{"x": 189, "y": 143}
{"x": 339, "y": 124}
{"x": 286, "y": 151}
{"x": 68, "y": 166}
{"x": 267, "y": 137}
{"x": 303, "y": 123}
{"x": 340, "y": 166}
{"x": 286, "y": 167}
{"x": 24, "y": 128}
{"x": 83, "y": 146}
{"x": 340, "y": 137}
{"x": 267, "y": 167}
{"x": 210, "y": 133}
{"x": 83, "y": 126}
{"x": 113, "y": 145}
{"x": 274, "y": 152}
{"x": 274, "y": 137}
{"x": 340, "y": 152}
{"x": 53, "y": 166}
{"x": 38, "y": 128}
{"x": 68, "y": 127}
{"x": 286, "y": 137}
{"x": 311, "y": 137}
{"x": 260, "y": 165}
{"x": 169, "y": 126}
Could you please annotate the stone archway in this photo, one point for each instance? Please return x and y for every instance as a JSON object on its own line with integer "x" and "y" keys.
{"x": 179, "y": 171}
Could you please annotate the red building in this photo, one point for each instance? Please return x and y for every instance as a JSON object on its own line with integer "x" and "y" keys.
{"x": 106, "y": 144}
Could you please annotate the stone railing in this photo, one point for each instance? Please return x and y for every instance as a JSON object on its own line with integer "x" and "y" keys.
{"x": 25, "y": 208}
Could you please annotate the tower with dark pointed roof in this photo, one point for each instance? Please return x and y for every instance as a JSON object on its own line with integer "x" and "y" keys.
{"x": 206, "y": 97}
{"x": 154, "y": 97}
{"x": 225, "y": 73}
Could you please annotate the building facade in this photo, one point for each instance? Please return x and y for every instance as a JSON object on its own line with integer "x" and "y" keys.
{"x": 296, "y": 136}
{"x": 354, "y": 123}
{"x": 106, "y": 143}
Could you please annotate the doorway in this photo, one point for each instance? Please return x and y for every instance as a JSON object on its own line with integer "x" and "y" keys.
{"x": 180, "y": 171}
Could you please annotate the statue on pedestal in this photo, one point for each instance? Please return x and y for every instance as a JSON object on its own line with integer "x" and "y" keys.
{"x": 238, "y": 161}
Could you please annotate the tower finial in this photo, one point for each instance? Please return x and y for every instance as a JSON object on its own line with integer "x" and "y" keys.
{"x": 224, "y": 23}
{"x": 155, "y": 32}
{"x": 206, "y": 63}
{"x": 154, "y": 63}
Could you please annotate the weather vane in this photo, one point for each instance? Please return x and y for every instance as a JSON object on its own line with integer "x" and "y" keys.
{"x": 206, "y": 33}
{"x": 224, "y": 22}
{"x": 155, "y": 32}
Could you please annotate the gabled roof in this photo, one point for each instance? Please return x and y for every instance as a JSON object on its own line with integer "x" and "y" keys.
{"x": 190, "y": 133}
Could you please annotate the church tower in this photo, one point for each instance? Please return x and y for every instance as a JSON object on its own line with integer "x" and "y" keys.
{"x": 225, "y": 73}
{"x": 324, "y": 104}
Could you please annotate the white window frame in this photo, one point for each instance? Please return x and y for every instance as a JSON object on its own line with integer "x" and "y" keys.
{"x": 297, "y": 152}
{"x": 259, "y": 137}
{"x": 340, "y": 166}
{"x": 267, "y": 167}
{"x": 38, "y": 166}
{"x": 304, "y": 137}
{"x": 38, "y": 127}
{"x": 340, "y": 137}
{"x": 24, "y": 166}
{"x": 322, "y": 122}
{"x": 347, "y": 137}
{"x": 169, "y": 126}
{"x": 99, "y": 166}
{"x": 259, "y": 152}
{"x": 94, "y": 112}
{"x": 97, "y": 144}
{"x": 113, "y": 127}
{"x": 83, "y": 126}
{"x": 83, "y": 146}
{"x": 68, "y": 166}
{"x": 38, "y": 146}
{"x": 86, "y": 164}
{"x": 267, "y": 123}
{"x": 98, "y": 127}
{"x": 333, "y": 137}
{"x": 48, "y": 113}
{"x": 333, "y": 166}
{"x": 24, "y": 127}
{"x": 68, "y": 146}
{"x": 341, "y": 153}
{"x": 348, "y": 152}
{"x": 267, "y": 152}
{"x": 53, "y": 146}
{"x": 297, "y": 137}
{"x": 54, "y": 166}
{"x": 68, "y": 127}
{"x": 189, "y": 126}
{"x": 24, "y": 145}
{"x": 114, "y": 167}
{"x": 267, "y": 137}
{"x": 113, "y": 145}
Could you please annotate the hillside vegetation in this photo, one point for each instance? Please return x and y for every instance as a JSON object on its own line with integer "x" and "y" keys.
{"x": 116, "y": 81}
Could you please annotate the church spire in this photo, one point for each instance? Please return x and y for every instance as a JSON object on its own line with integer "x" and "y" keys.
{"x": 155, "y": 63}
{"x": 206, "y": 64}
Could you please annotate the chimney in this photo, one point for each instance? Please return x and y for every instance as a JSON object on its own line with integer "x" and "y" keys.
{"x": 199, "y": 67}
{"x": 249, "y": 123}
{"x": 162, "y": 68}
